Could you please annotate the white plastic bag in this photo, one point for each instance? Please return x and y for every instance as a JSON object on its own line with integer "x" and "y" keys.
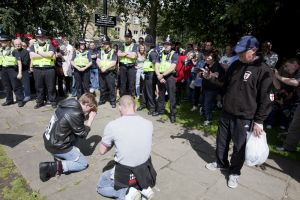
{"x": 257, "y": 149}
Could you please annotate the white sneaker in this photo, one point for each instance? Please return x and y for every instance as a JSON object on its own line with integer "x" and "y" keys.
{"x": 206, "y": 123}
{"x": 194, "y": 108}
{"x": 268, "y": 126}
{"x": 92, "y": 90}
{"x": 233, "y": 181}
{"x": 213, "y": 166}
{"x": 133, "y": 194}
{"x": 147, "y": 193}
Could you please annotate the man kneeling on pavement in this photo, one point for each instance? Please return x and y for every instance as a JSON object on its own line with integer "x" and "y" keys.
{"x": 133, "y": 175}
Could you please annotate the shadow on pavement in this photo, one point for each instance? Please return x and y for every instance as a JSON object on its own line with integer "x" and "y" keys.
{"x": 286, "y": 166}
{"x": 87, "y": 145}
{"x": 12, "y": 140}
{"x": 202, "y": 148}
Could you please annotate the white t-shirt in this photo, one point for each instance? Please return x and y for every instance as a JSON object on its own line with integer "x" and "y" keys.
{"x": 132, "y": 137}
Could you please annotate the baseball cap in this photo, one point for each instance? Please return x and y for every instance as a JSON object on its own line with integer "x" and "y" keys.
{"x": 245, "y": 43}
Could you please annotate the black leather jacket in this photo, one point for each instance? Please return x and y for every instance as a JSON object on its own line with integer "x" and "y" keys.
{"x": 65, "y": 125}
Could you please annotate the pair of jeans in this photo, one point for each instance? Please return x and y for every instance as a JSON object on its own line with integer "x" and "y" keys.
{"x": 73, "y": 161}
{"x": 139, "y": 75}
{"x": 94, "y": 78}
{"x": 26, "y": 83}
{"x": 293, "y": 137}
{"x": 105, "y": 186}
{"x": 209, "y": 98}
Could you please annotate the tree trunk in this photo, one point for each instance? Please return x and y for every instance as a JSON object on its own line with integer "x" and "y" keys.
{"x": 154, "y": 6}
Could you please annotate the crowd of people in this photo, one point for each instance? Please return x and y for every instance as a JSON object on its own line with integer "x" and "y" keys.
{"x": 247, "y": 82}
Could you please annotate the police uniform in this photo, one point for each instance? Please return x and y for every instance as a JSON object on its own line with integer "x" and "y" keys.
{"x": 127, "y": 68}
{"x": 107, "y": 73}
{"x": 148, "y": 97}
{"x": 82, "y": 59}
{"x": 10, "y": 70}
{"x": 43, "y": 71}
{"x": 167, "y": 60}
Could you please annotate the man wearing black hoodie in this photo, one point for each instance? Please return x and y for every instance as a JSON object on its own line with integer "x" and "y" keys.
{"x": 247, "y": 103}
{"x": 65, "y": 126}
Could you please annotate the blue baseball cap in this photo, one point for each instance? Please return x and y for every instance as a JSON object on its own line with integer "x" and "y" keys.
{"x": 246, "y": 43}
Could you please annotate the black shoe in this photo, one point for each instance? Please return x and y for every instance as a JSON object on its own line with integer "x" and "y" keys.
{"x": 7, "y": 103}
{"x": 173, "y": 119}
{"x": 54, "y": 105}
{"x": 101, "y": 102}
{"x": 150, "y": 112}
{"x": 21, "y": 104}
{"x": 38, "y": 105}
{"x": 156, "y": 113}
{"x": 47, "y": 170}
{"x": 140, "y": 108}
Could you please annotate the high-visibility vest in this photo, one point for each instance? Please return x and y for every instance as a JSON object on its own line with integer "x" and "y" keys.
{"x": 8, "y": 59}
{"x": 42, "y": 62}
{"x": 165, "y": 62}
{"x": 81, "y": 59}
{"x": 106, "y": 59}
{"x": 126, "y": 60}
{"x": 148, "y": 65}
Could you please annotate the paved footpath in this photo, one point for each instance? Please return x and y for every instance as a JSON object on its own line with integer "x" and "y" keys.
{"x": 179, "y": 156}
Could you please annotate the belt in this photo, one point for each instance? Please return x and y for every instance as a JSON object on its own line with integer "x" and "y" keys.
{"x": 9, "y": 66}
{"x": 128, "y": 64}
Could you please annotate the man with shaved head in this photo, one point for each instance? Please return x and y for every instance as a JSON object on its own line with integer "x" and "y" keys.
{"x": 23, "y": 54}
{"x": 133, "y": 174}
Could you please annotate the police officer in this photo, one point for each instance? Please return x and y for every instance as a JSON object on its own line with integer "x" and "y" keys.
{"x": 81, "y": 62}
{"x": 11, "y": 72}
{"x": 107, "y": 63}
{"x": 126, "y": 67}
{"x": 152, "y": 57}
{"x": 42, "y": 56}
{"x": 165, "y": 72}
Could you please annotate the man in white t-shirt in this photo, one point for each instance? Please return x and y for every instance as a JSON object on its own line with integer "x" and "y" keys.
{"x": 132, "y": 137}
{"x": 228, "y": 58}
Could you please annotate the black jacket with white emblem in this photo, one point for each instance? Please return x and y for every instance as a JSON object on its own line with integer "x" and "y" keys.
{"x": 66, "y": 124}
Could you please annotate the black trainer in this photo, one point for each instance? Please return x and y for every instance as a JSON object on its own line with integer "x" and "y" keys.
{"x": 7, "y": 103}
{"x": 38, "y": 105}
{"x": 140, "y": 108}
{"x": 47, "y": 170}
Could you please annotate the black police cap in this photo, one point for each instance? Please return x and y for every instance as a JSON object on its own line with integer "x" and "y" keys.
{"x": 128, "y": 33}
{"x": 40, "y": 32}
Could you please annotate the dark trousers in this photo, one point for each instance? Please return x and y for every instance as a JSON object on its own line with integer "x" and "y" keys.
{"x": 44, "y": 78}
{"x": 293, "y": 137}
{"x": 11, "y": 83}
{"x": 61, "y": 79}
{"x": 170, "y": 87}
{"x": 148, "y": 97}
{"x": 127, "y": 78}
{"x": 235, "y": 129}
{"x": 209, "y": 99}
{"x": 180, "y": 91}
{"x": 107, "y": 87}
{"x": 197, "y": 94}
{"x": 82, "y": 80}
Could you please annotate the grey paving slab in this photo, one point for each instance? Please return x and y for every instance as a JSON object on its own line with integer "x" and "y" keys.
{"x": 179, "y": 155}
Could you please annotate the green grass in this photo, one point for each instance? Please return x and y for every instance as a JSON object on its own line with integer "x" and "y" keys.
{"x": 12, "y": 185}
{"x": 194, "y": 120}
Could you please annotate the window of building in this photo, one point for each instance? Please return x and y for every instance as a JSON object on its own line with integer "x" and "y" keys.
{"x": 136, "y": 20}
{"x": 135, "y": 32}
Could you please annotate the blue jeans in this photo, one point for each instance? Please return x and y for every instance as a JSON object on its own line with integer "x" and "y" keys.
{"x": 139, "y": 74}
{"x": 26, "y": 83}
{"x": 94, "y": 78}
{"x": 105, "y": 187}
{"x": 74, "y": 91}
{"x": 73, "y": 161}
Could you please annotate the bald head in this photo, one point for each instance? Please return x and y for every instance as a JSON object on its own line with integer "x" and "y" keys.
{"x": 127, "y": 105}
{"x": 18, "y": 43}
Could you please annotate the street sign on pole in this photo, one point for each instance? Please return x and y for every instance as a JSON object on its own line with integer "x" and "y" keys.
{"x": 106, "y": 21}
